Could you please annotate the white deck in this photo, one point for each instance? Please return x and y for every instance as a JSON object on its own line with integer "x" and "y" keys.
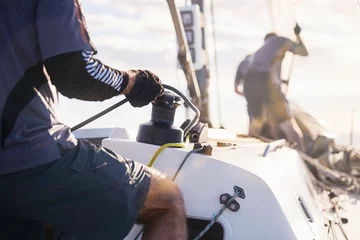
{"x": 273, "y": 186}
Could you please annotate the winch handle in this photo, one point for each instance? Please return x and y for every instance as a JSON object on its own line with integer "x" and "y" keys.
{"x": 100, "y": 114}
{"x": 191, "y": 105}
{"x": 122, "y": 102}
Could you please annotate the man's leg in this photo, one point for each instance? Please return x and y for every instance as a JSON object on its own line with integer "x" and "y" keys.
{"x": 293, "y": 133}
{"x": 163, "y": 213}
{"x": 144, "y": 196}
{"x": 252, "y": 91}
{"x": 93, "y": 193}
{"x": 12, "y": 228}
{"x": 256, "y": 126}
{"x": 280, "y": 114}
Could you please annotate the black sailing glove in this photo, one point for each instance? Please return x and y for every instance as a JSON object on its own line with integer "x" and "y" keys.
{"x": 147, "y": 88}
{"x": 297, "y": 29}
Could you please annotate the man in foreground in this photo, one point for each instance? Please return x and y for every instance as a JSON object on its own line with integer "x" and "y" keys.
{"x": 262, "y": 81}
{"x": 46, "y": 174}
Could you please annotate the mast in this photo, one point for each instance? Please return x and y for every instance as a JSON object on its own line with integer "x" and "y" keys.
{"x": 189, "y": 25}
{"x": 184, "y": 56}
{"x": 203, "y": 74}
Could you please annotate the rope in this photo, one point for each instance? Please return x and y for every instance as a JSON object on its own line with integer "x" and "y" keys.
{"x": 290, "y": 73}
{"x": 337, "y": 209}
{"x": 140, "y": 232}
{"x": 152, "y": 161}
{"x": 206, "y": 229}
{"x": 346, "y": 181}
{"x": 216, "y": 63}
{"x": 185, "y": 159}
{"x": 202, "y": 233}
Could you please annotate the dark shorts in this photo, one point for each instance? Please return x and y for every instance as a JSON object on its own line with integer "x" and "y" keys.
{"x": 90, "y": 193}
{"x": 264, "y": 98}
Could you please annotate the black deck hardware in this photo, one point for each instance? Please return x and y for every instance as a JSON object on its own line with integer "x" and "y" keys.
{"x": 240, "y": 192}
{"x": 205, "y": 148}
{"x": 234, "y": 206}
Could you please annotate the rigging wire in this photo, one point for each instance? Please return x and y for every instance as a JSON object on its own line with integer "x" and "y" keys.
{"x": 337, "y": 212}
{"x": 352, "y": 122}
{"x": 215, "y": 218}
{"x": 216, "y": 63}
{"x": 292, "y": 58}
{"x": 183, "y": 162}
{"x": 269, "y": 5}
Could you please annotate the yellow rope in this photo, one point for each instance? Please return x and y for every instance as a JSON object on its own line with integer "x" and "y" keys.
{"x": 179, "y": 145}
{"x": 166, "y": 145}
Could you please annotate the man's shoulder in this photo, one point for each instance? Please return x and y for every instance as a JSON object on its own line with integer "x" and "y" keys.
{"x": 280, "y": 42}
{"x": 280, "y": 39}
{"x": 244, "y": 62}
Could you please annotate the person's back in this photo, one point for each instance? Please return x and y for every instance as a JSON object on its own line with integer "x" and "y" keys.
{"x": 262, "y": 88}
{"x": 31, "y": 133}
{"x": 48, "y": 176}
{"x": 268, "y": 58}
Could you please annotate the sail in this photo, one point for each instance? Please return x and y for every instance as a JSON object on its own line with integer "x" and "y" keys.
{"x": 282, "y": 18}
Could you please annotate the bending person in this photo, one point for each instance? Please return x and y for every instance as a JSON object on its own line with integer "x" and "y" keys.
{"x": 262, "y": 89}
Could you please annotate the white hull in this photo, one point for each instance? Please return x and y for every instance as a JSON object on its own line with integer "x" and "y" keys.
{"x": 281, "y": 201}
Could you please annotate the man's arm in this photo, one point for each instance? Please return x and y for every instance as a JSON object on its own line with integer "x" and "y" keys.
{"x": 79, "y": 75}
{"x": 299, "y": 48}
{"x": 68, "y": 56}
{"x": 239, "y": 80}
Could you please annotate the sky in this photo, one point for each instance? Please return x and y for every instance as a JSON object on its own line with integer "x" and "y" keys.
{"x": 139, "y": 34}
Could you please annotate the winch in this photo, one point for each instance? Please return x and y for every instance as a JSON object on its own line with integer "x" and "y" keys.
{"x": 161, "y": 129}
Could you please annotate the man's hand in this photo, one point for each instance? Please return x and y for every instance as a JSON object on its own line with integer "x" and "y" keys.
{"x": 286, "y": 82}
{"x": 143, "y": 87}
{"x": 297, "y": 29}
{"x": 241, "y": 93}
{"x": 239, "y": 90}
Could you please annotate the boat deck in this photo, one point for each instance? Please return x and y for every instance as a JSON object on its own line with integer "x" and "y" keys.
{"x": 246, "y": 146}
